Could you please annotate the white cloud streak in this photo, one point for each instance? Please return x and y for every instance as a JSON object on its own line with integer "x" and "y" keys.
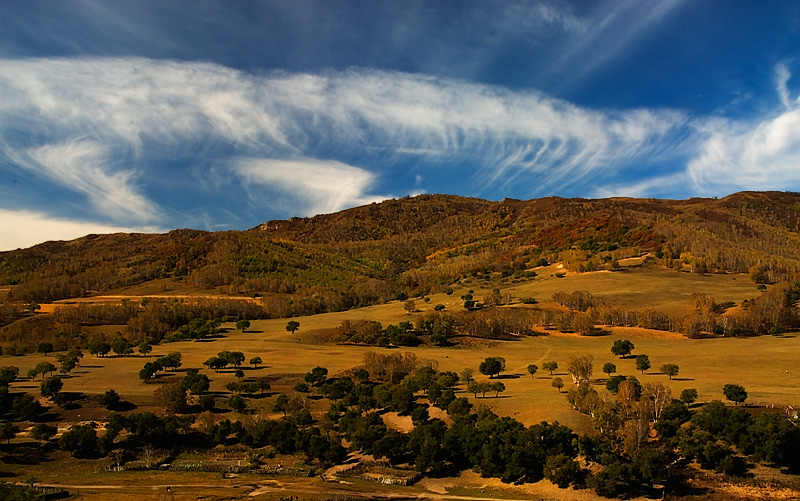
{"x": 105, "y": 127}
{"x": 760, "y": 155}
{"x": 85, "y": 166}
{"x": 324, "y": 186}
{"x": 20, "y": 229}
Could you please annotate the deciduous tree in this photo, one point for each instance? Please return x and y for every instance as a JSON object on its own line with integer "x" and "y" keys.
{"x": 735, "y": 393}
{"x": 642, "y": 363}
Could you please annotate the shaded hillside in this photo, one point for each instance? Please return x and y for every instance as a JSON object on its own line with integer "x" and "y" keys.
{"x": 422, "y": 244}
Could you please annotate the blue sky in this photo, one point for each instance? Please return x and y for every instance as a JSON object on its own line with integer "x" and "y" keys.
{"x": 153, "y": 115}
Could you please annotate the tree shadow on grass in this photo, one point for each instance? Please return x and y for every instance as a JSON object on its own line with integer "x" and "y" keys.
{"x": 682, "y": 379}
{"x": 508, "y": 376}
{"x": 25, "y": 454}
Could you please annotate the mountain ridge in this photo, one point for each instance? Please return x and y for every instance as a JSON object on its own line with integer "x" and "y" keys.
{"x": 415, "y": 245}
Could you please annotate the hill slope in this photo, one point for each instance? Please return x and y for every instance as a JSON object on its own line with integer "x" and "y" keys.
{"x": 422, "y": 244}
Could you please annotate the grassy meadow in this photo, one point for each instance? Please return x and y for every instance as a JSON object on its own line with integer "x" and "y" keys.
{"x": 766, "y": 366}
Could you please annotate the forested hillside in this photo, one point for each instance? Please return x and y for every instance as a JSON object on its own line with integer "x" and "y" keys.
{"x": 419, "y": 245}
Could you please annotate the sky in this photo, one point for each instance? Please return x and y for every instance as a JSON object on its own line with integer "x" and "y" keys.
{"x": 150, "y": 115}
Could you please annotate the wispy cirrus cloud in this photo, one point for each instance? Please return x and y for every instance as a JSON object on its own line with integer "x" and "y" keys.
{"x": 149, "y": 140}
{"x": 76, "y": 115}
{"x": 323, "y": 186}
{"x": 86, "y": 166}
{"x": 762, "y": 154}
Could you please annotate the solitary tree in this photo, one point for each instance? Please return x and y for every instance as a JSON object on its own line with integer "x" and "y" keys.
{"x": 557, "y": 383}
{"x": 292, "y": 326}
{"x": 550, "y": 366}
{"x": 670, "y": 370}
{"x": 642, "y": 363}
{"x": 622, "y": 348}
{"x": 410, "y": 306}
{"x": 255, "y": 361}
{"x": 609, "y": 368}
{"x": 532, "y": 368}
{"x": 492, "y": 366}
{"x": 242, "y": 324}
{"x": 735, "y": 393}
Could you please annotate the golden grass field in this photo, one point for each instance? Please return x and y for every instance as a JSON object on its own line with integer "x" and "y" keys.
{"x": 765, "y": 366}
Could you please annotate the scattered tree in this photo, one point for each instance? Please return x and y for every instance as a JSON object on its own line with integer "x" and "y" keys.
{"x": 145, "y": 348}
{"x": 609, "y": 368}
{"x": 8, "y": 431}
{"x": 557, "y": 383}
{"x": 316, "y": 376}
{"x": 43, "y": 432}
{"x": 80, "y": 440}
{"x": 44, "y": 347}
{"x": 735, "y": 393}
{"x": 497, "y": 387}
{"x": 292, "y": 326}
{"x": 532, "y": 368}
{"x": 410, "y": 306}
{"x": 688, "y": 396}
{"x": 121, "y": 346}
{"x": 492, "y": 366}
{"x": 243, "y": 324}
{"x": 580, "y": 368}
{"x": 622, "y": 348}
{"x": 670, "y": 370}
{"x": 550, "y": 366}
{"x": 45, "y": 368}
{"x": 51, "y": 386}
{"x": 110, "y": 399}
{"x": 255, "y": 361}
{"x": 642, "y": 363}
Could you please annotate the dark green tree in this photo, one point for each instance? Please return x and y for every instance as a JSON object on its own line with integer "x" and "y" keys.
{"x": 550, "y": 366}
{"x": 532, "y": 368}
{"x": 735, "y": 393}
{"x": 688, "y": 396}
{"x": 80, "y": 440}
{"x": 110, "y": 399}
{"x": 670, "y": 370}
{"x": 292, "y": 326}
{"x": 8, "y": 431}
{"x": 42, "y": 432}
{"x": 642, "y": 363}
{"x": 609, "y": 368}
{"x": 51, "y": 386}
{"x": 492, "y": 366}
{"x": 44, "y": 347}
{"x": 243, "y": 324}
{"x": 622, "y": 348}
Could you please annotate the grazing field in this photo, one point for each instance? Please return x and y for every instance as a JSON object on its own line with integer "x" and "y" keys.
{"x": 766, "y": 366}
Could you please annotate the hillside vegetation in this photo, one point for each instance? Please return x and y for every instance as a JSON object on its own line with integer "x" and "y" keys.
{"x": 421, "y": 245}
